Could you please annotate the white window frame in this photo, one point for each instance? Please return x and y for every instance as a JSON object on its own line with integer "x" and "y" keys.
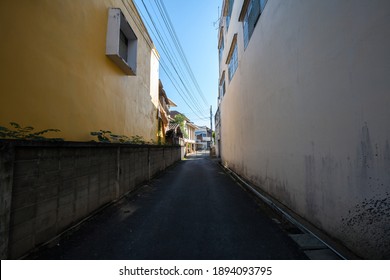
{"x": 118, "y": 24}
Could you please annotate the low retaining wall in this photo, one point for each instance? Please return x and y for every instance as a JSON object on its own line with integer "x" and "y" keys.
{"x": 45, "y": 188}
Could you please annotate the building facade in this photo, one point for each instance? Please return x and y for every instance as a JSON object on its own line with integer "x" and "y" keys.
{"x": 163, "y": 114}
{"x": 203, "y": 138}
{"x": 304, "y": 98}
{"x": 191, "y": 138}
{"x": 78, "y": 66}
{"x": 184, "y": 132}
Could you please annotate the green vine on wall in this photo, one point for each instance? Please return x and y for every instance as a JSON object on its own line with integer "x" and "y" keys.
{"x": 180, "y": 120}
{"x": 25, "y": 133}
{"x": 106, "y": 136}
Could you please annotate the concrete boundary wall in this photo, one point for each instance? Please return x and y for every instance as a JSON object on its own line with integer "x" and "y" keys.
{"x": 45, "y": 188}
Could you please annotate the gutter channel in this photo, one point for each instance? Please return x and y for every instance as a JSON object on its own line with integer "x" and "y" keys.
{"x": 270, "y": 203}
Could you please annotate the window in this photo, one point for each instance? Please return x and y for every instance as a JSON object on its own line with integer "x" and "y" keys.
{"x": 233, "y": 63}
{"x": 262, "y": 4}
{"x": 228, "y": 11}
{"x": 221, "y": 45}
{"x": 222, "y": 89}
{"x": 222, "y": 86}
{"x": 250, "y": 20}
{"x": 250, "y": 13}
{"x": 123, "y": 45}
{"x": 232, "y": 60}
{"x": 221, "y": 52}
{"x": 121, "y": 42}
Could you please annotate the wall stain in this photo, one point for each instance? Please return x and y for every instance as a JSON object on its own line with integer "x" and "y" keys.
{"x": 345, "y": 195}
{"x": 366, "y": 153}
{"x": 311, "y": 189}
{"x": 367, "y": 226}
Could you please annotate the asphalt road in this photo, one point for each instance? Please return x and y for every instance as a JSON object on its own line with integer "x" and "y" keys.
{"x": 192, "y": 211}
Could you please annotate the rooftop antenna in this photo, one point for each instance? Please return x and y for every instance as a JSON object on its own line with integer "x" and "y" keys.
{"x": 218, "y": 18}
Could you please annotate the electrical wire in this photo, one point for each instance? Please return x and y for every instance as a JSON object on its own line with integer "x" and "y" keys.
{"x": 182, "y": 52}
{"x": 166, "y": 69}
{"x": 173, "y": 61}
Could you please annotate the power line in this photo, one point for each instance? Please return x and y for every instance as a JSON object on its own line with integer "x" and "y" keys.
{"x": 174, "y": 38}
{"x": 179, "y": 91}
{"x": 183, "y": 54}
{"x": 168, "y": 53}
{"x": 172, "y": 67}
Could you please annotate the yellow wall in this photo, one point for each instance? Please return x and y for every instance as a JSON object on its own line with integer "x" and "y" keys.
{"x": 54, "y": 72}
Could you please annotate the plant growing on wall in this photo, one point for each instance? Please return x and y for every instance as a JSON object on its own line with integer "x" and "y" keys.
{"x": 137, "y": 140}
{"x": 25, "y": 133}
{"x": 102, "y": 135}
{"x": 180, "y": 120}
{"x": 106, "y": 136}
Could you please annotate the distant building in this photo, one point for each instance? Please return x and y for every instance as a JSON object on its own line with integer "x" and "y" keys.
{"x": 163, "y": 114}
{"x": 304, "y": 96}
{"x": 78, "y": 66}
{"x": 191, "y": 140}
{"x": 185, "y": 137}
{"x": 203, "y": 138}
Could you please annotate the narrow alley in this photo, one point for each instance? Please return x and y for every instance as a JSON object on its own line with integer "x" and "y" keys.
{"x": 194, "y": 210}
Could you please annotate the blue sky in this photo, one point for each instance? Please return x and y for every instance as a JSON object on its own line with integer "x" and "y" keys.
{"x": 196, "y": 25}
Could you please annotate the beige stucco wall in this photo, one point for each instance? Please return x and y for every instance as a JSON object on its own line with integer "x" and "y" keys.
{"x": 306, "y": 116}
{"x": 54, "y": 72}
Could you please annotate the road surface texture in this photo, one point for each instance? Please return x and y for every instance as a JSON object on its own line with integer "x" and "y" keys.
{"x": 193, "y": 211}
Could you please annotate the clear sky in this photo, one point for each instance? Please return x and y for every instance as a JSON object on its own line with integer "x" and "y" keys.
{"x": 196, "y": 25}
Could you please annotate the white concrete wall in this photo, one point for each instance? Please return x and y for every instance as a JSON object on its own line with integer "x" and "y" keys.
{"x": 307, "y": 114}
